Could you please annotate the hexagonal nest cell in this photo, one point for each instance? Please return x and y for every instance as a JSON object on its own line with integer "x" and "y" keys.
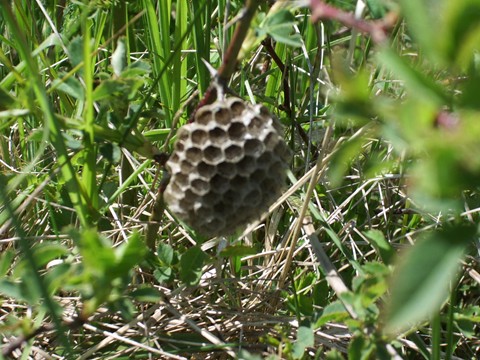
{"x": 227, "y": 168}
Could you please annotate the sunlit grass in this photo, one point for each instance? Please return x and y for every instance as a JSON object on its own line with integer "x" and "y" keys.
{"x": 91, "y": 93}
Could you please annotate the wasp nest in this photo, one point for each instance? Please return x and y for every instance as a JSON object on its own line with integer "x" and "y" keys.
{"x": 227, "y": 168}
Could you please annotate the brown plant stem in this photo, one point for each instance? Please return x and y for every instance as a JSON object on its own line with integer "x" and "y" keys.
{"x": 378, "y": 30}
{"x": 17, "y": 343}
{"x": 287, "y": 105}
{"x": 156, "y": 215}
{"x": 230, "y": 59}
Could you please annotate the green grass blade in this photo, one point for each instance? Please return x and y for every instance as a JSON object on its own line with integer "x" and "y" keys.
{"x": 179, "y": 73}
{"x": 201, "y": 42}
{"x": 52, "y": 125}
{"x": 89, "y": 148}
{"x": 422, "y": 279}
{"x": 159, "y": 45}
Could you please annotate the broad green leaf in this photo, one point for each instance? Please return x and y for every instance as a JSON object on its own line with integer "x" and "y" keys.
{"x": 12, "y": 290}
{"x": 335, "y": 312}
{"x": 108, "y": 89}
{"x": 245, "y": 355}
{"x": 354, "y": 103}
{"x": 467, "y": 320}
{"x": 70, "y": 86}
{"x": 136, "y": 69}
{"x": 334, "y": 355}
{"x": 146, "y": 294}
{"x": 46, "y": 252}
{"x": 191, "y": 264}
{"x": 75, "y": 49}
{"x": 424, "y": 276}
{"x": 98, "y": 255}
{"x": 71, "y": 142}
{"x": 381, "y": 245}
{"x": 342, "y": 159}
{"x": 279, "y": 25}
{"x": 418, "y": 84}
{"x": 442, "y": 178}
{"x": 119, "y": 59}
{"x": 305, "y": 339}
{"x": 321, "y": 292}
{"x": 130, "y": 254}
{"x": 6, "y": 258}
{"x": 163, "y": 274}
{"x": 43, "y": 253}
{"x": 423, "y": 20}
{"x": 165, "y": 253}
{"x": 238, "y": 250}
{"x": 360, "y": 348}
{"x": 377, "y": 8}
{"x": 57, "y": 276}
{"x": 462, "y": 31}
{"x": 111, "y": 152}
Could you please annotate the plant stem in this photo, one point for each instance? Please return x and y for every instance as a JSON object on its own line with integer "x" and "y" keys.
{"x": 376, "y": 29}
{"x": 229, "y": 62}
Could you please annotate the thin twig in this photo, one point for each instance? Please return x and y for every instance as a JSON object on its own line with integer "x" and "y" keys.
{"x": 156, "y": 215}
{"x": 16, "y": 343}
{"x": 230, "y": 60}
{"x": 287, "y": 105}
{"x": 334, "y": 279}
{"x": 378, "y": 30}
{"x": 319, "y": 169}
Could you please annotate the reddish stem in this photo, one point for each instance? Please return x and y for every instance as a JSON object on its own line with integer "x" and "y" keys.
{"x": 229, "y": 63}
{"x": 376, "y": 29}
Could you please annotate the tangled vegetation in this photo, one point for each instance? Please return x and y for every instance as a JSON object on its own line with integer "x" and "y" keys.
{"x": 372, "y": 251}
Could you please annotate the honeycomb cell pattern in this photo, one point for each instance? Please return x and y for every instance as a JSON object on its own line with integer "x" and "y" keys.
{"x": 227, "y": 167}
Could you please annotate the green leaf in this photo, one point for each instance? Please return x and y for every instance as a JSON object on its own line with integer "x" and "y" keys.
{"x": 43, "y": 254}
{"x": 360, "y": 348}
{"x": 377, "y": 8}
{"x": 305, "y": 339}
{"x": 136, "y": 69}
{"x": 462, "y": 31}
{"x": 163, "y": 274}
{"x": 111, "y": 152}
{"x": 57, "y": 276}
{"x": 191, "y": 264}
{"x": 423, "y": 20}
{"x": 108, "y": 89}
{"x": 245, "y": 355}
{"x": 119, "y": 60}
{"x": 279, "y": 25}
{"x": 46, "y": 252}
{"x": 424, "y": 276}
{"x": 75, "y": 49}
{"x": 70, "y": 86}
{"x": 146, "y": 294}
{"x": 98, "y": 255}
{"x": 6, "y": 258}
{"x": 6, "y": 100}
{"x": 11, "y": 289}
{"x": 238, "y": 250}
{"x": 381, "y": 245}
{"x": 334, "y": 355}
{"x": 165, "y": 253}
{"x": 130, "y": 254}
{"x": 468, "y": 320}
{"x": 418, "y": 84}
{"x": 334, "y": 312}
{"x": 342, "y": 159}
